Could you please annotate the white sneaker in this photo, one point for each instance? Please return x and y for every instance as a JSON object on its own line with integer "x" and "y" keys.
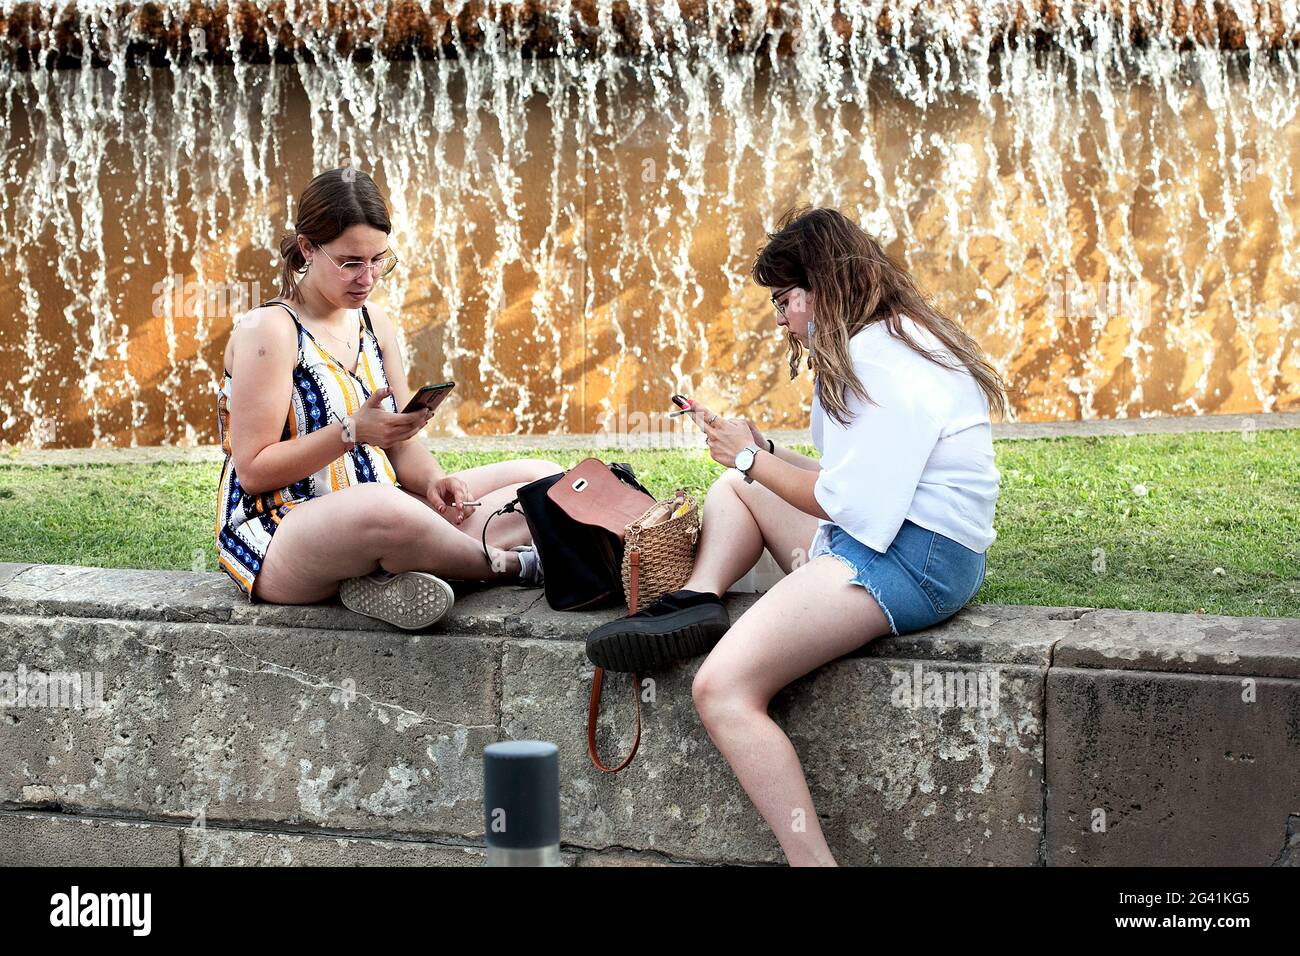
{"x": 410, "y": 599}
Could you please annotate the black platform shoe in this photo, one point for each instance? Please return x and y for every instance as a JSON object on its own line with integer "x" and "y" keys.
{"x": 681, "y": 624}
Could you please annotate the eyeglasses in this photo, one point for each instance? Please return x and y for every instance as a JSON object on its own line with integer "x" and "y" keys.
{"x": 353, "y": 269}
{"x": 780, "y": 306}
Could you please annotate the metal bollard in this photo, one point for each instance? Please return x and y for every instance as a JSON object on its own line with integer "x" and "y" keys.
{"x": 521, "y": 803}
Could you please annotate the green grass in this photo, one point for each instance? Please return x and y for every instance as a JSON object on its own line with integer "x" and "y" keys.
{"x": 1217, "y": 529}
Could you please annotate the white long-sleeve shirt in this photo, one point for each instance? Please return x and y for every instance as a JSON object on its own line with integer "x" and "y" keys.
{"x": 922, "y": 452}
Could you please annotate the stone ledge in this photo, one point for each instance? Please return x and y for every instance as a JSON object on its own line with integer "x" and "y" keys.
{"x": 1184, "y": 768}
{"x": 310, "y": 723}
{"x": 1183, "y": 643}
{"x": 985, "y": 633}
{"x": 989, "y": 633}
{"x": 382, "y": 733}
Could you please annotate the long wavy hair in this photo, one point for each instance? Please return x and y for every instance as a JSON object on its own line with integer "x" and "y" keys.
{"x": 854, "y": 283}
{"x": 333, "y": 201}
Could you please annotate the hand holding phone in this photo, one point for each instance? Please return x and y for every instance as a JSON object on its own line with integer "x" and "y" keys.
{"x": 429, "y": 396}
{"x": 687, "y": 405}
{"x": 372, "y": 424}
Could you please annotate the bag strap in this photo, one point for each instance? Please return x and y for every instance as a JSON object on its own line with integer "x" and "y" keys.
{"x": 634, "y": 575}
{"x": 593, "y": 710}
{"x": 598, "y": 680}
{"x": 508, "y": 508}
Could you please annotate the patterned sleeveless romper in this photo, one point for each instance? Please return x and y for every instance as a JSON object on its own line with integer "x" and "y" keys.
{"x": 323, "y": 392}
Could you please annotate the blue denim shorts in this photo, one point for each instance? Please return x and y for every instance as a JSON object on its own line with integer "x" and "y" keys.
{"x": 924, "y": 578}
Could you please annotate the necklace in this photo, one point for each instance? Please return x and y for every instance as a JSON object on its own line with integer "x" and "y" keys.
{"x": 344, "y": 342}
{"x": 337, "y": 339}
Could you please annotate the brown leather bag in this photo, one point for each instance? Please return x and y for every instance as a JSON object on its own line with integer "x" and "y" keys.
{"x": 576, "y": 521}
{"x": 589, "y": 493}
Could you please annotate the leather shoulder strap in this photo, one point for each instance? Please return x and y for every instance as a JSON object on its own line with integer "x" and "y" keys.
{"x": 593, "y": 711}
{"x": 598, "y": 679}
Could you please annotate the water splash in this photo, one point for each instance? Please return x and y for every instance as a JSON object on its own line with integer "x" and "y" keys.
{"x": 1113, "y": 220}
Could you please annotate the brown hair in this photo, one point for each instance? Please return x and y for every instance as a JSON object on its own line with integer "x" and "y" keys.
{"x": 855, "y": 283}
{"x": 332, "y": 202}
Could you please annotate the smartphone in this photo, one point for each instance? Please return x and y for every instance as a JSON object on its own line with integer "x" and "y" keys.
{"x": 429, "y": 396}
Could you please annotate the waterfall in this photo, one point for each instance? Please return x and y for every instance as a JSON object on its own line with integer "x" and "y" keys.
{"x": 1102, "y": 194}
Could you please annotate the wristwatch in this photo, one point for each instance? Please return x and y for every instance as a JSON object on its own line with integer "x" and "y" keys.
{"x": 745, "y": 461}
{"x": 349, "y": 432}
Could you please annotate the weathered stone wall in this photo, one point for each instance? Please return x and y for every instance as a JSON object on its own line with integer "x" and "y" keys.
{"x": 67, "y": 33}
{"x": 238, "y": 734}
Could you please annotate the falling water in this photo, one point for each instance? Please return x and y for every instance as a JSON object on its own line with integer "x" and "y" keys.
{"x": 1115, "y": 221}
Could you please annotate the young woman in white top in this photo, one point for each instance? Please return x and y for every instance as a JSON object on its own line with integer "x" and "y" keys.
{"x": 886, "y": 533}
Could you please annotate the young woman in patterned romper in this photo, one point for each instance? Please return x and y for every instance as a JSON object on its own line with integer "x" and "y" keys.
{"x": 326, "y": 487}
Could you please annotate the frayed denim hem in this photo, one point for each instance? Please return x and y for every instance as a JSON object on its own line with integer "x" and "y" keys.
{"x": 857, "y": 579}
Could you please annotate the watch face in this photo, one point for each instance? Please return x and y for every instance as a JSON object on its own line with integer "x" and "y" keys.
{"x": 744, "y": 459}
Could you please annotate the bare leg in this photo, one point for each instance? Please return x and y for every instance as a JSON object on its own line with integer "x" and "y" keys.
{"x": 354, "y": 531}
{"x": 811, "y": 617}
{"x": 740, "y": 519}
{"x": 495, "y": 485}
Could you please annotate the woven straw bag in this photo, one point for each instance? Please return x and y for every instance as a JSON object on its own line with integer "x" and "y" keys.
{"x": 659, "y": 550}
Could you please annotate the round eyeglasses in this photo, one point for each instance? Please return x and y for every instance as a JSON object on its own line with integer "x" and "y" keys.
{"x": 353, "y": 269}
